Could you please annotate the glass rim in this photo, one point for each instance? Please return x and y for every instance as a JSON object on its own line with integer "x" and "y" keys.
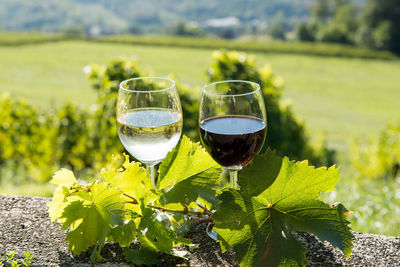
{"x": 258, "y": 87}
{"x": 149, "y": 77}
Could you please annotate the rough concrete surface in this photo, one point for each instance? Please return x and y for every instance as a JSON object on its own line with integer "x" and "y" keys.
{"x": 25, "y": 226}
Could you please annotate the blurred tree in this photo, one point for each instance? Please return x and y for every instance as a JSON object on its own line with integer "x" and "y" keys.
{"x": 183, "y": 29}
{"x": 305, "y": 32}
{"x": 379, "y": 158}
{"x": 332, "y": 33}
{"x": 227, "y": 33}
{"x": 347, "y": 17}
{"x": 276, "y": 28}
{"x": 133, "y": 29}
{"x": 321, "y": 11}
{"x": 180, "y": 28}
{"x": 382, "y": 35}
{"x": 340, "y": 3}
{"x": 74, "y": 32}
{"x": 276, "y": 31}
{"x": 381, "y": 25}
{"x": 332, "y": 21}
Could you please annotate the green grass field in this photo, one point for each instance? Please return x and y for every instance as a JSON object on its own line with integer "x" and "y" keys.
{"x": 344, "y": 98}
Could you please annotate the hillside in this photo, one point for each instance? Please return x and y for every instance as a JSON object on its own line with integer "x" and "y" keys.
{"x": 149, "y": 16}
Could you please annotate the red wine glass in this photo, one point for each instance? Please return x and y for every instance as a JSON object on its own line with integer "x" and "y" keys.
{"x": 232, "y": 123}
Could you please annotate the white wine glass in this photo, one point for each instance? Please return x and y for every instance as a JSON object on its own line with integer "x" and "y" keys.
{"x": 149, "y": 119}
{"x": 232, "y": 123}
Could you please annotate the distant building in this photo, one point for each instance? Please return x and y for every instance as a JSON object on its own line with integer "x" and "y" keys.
{"x": 94, "y": 31}
{"x": 222, "y": 22}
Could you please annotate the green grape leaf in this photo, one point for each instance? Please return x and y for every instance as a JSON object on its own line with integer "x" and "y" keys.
{"x": 64, "y": 179}
{"x": 58, "y": 203}
{"x": 270, "y": 173}
{"x": 260, "y": 166}
{"x": 154, "y": 232}
{"x": 258, "y": 220}
{"x": 132, "y": 180}
{"x": 91, "y": 221}
{"x": 143, "y": 256}
{"x": 186, "y": 173}
{"x": 124, "y": 234}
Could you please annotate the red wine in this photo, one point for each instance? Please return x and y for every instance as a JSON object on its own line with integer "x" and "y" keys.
{"x": 232, "y": 140}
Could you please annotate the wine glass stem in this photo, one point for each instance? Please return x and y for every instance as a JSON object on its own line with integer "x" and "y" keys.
{"x": 233, "y": 175}
{"x": 151, "y": 170}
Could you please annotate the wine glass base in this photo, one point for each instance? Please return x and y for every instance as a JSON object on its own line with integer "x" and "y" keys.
{"x": 210, "y": 233}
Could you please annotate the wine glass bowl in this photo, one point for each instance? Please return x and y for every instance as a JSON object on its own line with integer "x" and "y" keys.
{"x": 232, "y": 123}
{"x": 149, "y": 119}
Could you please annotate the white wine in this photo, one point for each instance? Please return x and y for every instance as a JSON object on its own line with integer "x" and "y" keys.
{"x": 149, "y": 133}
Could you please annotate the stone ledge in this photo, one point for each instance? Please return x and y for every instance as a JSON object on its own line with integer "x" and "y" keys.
{"x": 25, "y": 226}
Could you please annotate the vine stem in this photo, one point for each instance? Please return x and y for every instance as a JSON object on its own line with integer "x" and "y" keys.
{"x": 205, "y": 210}
{"x": 86, "y": 187}
{"x": 205, "y": 220}
{"x": 184, "y": 211}
{"x": 134, "y": 201}
{"x": 199, "y": 220}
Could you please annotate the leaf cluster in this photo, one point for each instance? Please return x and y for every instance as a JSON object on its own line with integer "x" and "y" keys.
{"x": 276, "y": 197}
{"x": 40, "y": 142}
{"x": 12, "y": 262}
{"x": 122, "y": 206}
{"x": 380, "y": 157}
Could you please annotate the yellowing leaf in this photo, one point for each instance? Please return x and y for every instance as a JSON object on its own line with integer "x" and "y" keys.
{"x": 58, "y": 203}
{"x": 91, "y": 221}
{"x": 132, "y": 180}
{"x": 64, "y": 177}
